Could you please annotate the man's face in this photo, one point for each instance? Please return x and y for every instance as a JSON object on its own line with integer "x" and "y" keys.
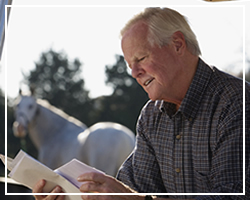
{"x": 155, "y": 68}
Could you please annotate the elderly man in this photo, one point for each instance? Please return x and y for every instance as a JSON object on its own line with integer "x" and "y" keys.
{"x": 190, "y": 133}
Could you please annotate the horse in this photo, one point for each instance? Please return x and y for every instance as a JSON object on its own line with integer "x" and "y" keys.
{"x": 59, "y": 137}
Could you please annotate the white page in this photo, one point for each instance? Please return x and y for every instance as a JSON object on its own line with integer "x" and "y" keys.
{"x": 9, "y": 161}
{"x": 73, "y": 169}
{"x": 29, "y": 171}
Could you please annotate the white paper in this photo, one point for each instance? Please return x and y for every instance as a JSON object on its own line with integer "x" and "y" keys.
{"x": 73, "y": 169}
{"x": 9, "y": 161}
{"x": 28, "y": 171}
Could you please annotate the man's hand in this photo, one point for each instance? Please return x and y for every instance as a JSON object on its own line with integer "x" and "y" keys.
{"x": 100, "y": 183}
{"x": 38, "y": 188}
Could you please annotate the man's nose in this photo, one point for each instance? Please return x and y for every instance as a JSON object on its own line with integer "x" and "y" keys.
{"x": 137, "y": 71}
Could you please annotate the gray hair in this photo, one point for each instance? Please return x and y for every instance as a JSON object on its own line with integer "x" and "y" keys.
{"x": 162, "y": 24}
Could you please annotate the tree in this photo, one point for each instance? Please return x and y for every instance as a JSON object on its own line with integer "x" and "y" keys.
{"x": 58, "y": 80}
{"x": 127, "y": 99}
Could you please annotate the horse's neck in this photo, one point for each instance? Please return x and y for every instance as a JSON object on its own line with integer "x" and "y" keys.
{"x": 47, "y": 126}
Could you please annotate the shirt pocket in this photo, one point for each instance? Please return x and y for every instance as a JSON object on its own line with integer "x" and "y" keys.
{"x": 201, "y": 182}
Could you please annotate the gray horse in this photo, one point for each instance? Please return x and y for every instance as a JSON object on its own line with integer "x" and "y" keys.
{"x": 60, "y": 138}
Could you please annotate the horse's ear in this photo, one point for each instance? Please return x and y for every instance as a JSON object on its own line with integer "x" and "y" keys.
{"x": 20, "y": 91}
{"x": 32, "y": 90}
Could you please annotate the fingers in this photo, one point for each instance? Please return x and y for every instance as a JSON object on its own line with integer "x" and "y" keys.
{"x": 88, "y": 197}
{"x": 61, "y": 197}
{"x": 57, "y": 189}
{"x": 94, "y": 182}
{"x": 90, "y": 187}
{"x": 38, "y": 188}
{"x": 98, "y": 197}
{"x": 92, "y": 176}
{"x": 101, "y": 183}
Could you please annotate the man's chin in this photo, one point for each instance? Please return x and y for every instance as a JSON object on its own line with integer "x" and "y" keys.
{"x": 152, "y": 97}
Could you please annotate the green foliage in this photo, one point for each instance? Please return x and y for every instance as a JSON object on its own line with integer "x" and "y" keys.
{"x": 58, "y": 80}
{"x": 126, "y": 101}
{"x": 128, "y": 96}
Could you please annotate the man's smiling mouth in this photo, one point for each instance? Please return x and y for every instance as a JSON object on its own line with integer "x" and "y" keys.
{"x": 148, "y": 82}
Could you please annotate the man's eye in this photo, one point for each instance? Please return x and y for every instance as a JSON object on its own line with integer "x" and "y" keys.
{"x": 141, "y": 59}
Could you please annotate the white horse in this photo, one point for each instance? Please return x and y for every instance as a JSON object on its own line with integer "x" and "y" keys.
{"x": 60, "y": 138}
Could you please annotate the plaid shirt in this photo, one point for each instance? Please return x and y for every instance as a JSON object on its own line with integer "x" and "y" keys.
{"x": 197, "y": 149}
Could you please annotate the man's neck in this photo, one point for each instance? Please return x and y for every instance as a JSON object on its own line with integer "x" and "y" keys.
{"x": 185, "y": 79}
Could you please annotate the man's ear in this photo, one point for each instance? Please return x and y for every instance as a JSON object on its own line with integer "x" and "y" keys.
{"x": 179, "y": 42}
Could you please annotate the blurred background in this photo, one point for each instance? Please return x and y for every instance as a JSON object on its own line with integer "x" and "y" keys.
{"x": 71, "y": 55}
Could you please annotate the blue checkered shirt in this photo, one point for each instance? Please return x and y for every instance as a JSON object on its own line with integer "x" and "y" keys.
{"x": 199, "y": 147}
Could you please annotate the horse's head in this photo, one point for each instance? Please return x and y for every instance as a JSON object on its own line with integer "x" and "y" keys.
{"x": 25, "y": 109}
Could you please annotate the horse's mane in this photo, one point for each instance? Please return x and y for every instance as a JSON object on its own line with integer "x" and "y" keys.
{"x": 44, "y": 103}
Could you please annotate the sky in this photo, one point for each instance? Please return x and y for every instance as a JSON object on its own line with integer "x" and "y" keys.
{"x": 91, "y": 34}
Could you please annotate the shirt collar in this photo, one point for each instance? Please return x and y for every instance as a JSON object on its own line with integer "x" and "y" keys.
{"x": 194, "y": 95}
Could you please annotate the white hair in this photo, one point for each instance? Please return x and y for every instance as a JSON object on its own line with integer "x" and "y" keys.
{"x": 162, "y": 24}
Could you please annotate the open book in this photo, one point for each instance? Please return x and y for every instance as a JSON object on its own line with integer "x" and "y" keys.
{"x": 28, "y": 171}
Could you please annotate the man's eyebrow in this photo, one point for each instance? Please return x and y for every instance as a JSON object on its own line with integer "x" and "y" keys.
{"x": 135, "y": 58}
{"x": 127, "y": 64}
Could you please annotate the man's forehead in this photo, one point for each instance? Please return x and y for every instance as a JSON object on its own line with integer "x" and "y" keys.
{"x": 133, "y": 39}
{"x": 139, "y": 27}
{"x": 136, "y": 35}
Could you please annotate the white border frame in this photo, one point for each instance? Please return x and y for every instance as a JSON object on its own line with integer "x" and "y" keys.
{"x": 186, "y": 194}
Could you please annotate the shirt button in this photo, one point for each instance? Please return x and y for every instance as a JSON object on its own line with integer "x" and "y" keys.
{"x": 178, "y": 170}
{"x": 178, "y": 137}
